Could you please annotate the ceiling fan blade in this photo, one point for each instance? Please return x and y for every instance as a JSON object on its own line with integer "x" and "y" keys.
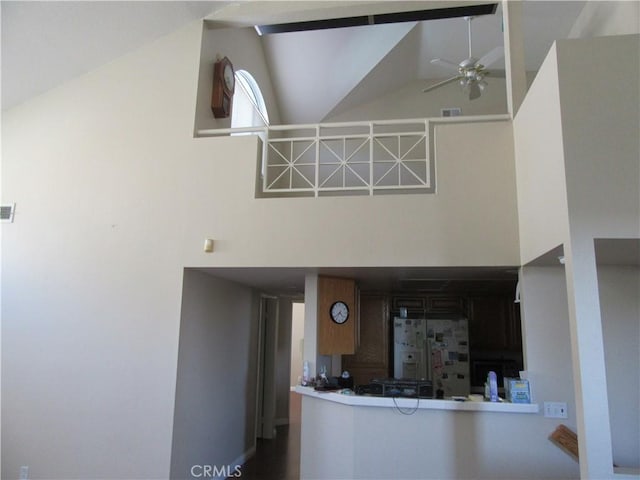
{"x": 496, "y": 73}
{"x": 492, "y": 57}
{"x": 446, "y": 63}
{"x": 439, "y": 84}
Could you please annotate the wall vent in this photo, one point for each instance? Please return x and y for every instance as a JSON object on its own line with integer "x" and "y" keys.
{"x": 6, "y": 213}
{"x": 451, "y": 112}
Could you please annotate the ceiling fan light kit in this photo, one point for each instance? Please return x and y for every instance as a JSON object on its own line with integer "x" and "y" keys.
{"x": 471, "y": 71}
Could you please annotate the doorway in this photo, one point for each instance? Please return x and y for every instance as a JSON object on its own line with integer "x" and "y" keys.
{"x": 297, "y": 343}
{"x": 266, "y": 371}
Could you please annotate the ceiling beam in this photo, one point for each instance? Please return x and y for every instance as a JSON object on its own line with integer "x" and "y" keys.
{"x": 378, "y": 19}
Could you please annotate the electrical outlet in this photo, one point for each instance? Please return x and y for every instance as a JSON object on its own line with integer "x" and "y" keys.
{"x": 555, "y": 409}
{"x": 24, "y": 472}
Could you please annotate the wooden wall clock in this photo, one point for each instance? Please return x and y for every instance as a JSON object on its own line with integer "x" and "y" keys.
{"x": 337, "y": 316}
{"x": 224, "y": 82}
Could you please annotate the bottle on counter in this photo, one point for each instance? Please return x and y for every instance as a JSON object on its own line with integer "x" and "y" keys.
{"x": 305, "y": 373}
{"x": 492, "y": 383}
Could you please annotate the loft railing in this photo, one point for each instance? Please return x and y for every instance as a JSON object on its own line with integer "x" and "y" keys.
{"x": 352, "y": 158}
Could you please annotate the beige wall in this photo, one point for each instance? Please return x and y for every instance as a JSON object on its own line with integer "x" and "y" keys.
{"x": 602, "y": 165}
{"x": 588, "y": 143}
{"x": 115, "y": 197}
{"x": 427, "y": 444}
{"x": 283, "y": 359}
{"x": 297, "y": 337}
{"x": 607, "y": 18}
{"x": 602, "y": 154}
{"x": 471, "y": 220}
{"x": 619, "y": 304}
{"x": 91, "y": 268}
{"x": 542, "y": 195}
{"x": 410, "y": 102}
{"x": 545, "y": 322}
{"x": 215, "y": 407}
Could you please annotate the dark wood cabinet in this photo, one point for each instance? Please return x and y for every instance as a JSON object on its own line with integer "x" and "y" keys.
{"x": 418, "y": 305}
{"x": 515, "y": 328}
{"x": 414, "y": 304}
{"x": 371, "y": 359}
{"x": 495, "y": 334}
{"x": 446, "y": 304}
{"x": 494, "y": 324}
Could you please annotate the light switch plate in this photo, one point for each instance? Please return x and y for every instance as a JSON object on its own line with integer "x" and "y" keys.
{"x": 555, "y": 409}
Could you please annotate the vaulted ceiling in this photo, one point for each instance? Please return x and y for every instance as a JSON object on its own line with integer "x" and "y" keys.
{"x": 318, "y": 74}
{"x": 44, "y": 44}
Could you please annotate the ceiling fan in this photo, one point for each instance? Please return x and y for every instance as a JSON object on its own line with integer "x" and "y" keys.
{"x": 471, "y": 72}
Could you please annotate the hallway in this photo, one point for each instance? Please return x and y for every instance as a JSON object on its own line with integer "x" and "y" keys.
{"x": 279, "y": 458}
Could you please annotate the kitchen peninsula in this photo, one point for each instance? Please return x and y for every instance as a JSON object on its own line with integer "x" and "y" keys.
{"x": 353, "y": 436}
{"x": 409, "y": 405}
{"x": 359, "y": 436}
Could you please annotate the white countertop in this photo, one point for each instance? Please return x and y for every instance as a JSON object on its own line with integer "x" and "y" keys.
{"x": 414, "y": 403}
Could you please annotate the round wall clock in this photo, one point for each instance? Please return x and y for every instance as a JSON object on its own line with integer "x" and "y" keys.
{"x": 339, "y": 312}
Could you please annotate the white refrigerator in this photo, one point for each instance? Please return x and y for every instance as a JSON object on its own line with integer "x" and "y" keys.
{"x": 433, "y": 349}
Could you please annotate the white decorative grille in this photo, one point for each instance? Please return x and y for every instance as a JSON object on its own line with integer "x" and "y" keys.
{"x": 353, "y": 157}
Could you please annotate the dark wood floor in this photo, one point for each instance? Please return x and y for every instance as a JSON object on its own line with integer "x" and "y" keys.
{"x": 278, "y": 459}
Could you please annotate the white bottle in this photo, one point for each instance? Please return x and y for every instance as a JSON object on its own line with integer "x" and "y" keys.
{"x": 305, "y": 373}
{"x": 492, "y": 380}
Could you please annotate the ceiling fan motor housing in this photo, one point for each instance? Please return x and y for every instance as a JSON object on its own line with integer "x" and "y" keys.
{"x": 471, "y": 71}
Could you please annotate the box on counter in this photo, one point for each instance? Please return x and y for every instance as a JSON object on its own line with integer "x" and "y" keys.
{"x": 516, "y": 390}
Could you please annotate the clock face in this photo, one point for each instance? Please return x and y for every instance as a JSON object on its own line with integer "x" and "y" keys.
{"x": 229, "y": 79}
{"x": 339, "y": 312}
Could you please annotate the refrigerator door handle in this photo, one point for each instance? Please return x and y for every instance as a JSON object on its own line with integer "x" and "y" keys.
{"x": 427, "y": 349}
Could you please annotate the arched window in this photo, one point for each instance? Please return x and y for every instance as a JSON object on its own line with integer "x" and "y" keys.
{"x": 249, "y": 109}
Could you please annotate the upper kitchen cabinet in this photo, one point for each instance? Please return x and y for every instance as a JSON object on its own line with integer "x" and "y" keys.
{"x": 432, "y": 304}
{"x": 494, "y": 324}
{"x": 446, "y": 304}
{"x": 371, "y": 359}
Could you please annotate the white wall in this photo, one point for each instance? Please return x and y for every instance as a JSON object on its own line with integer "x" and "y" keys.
{"x": 216, "y": 379}
{"x": 619, "y": 304}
